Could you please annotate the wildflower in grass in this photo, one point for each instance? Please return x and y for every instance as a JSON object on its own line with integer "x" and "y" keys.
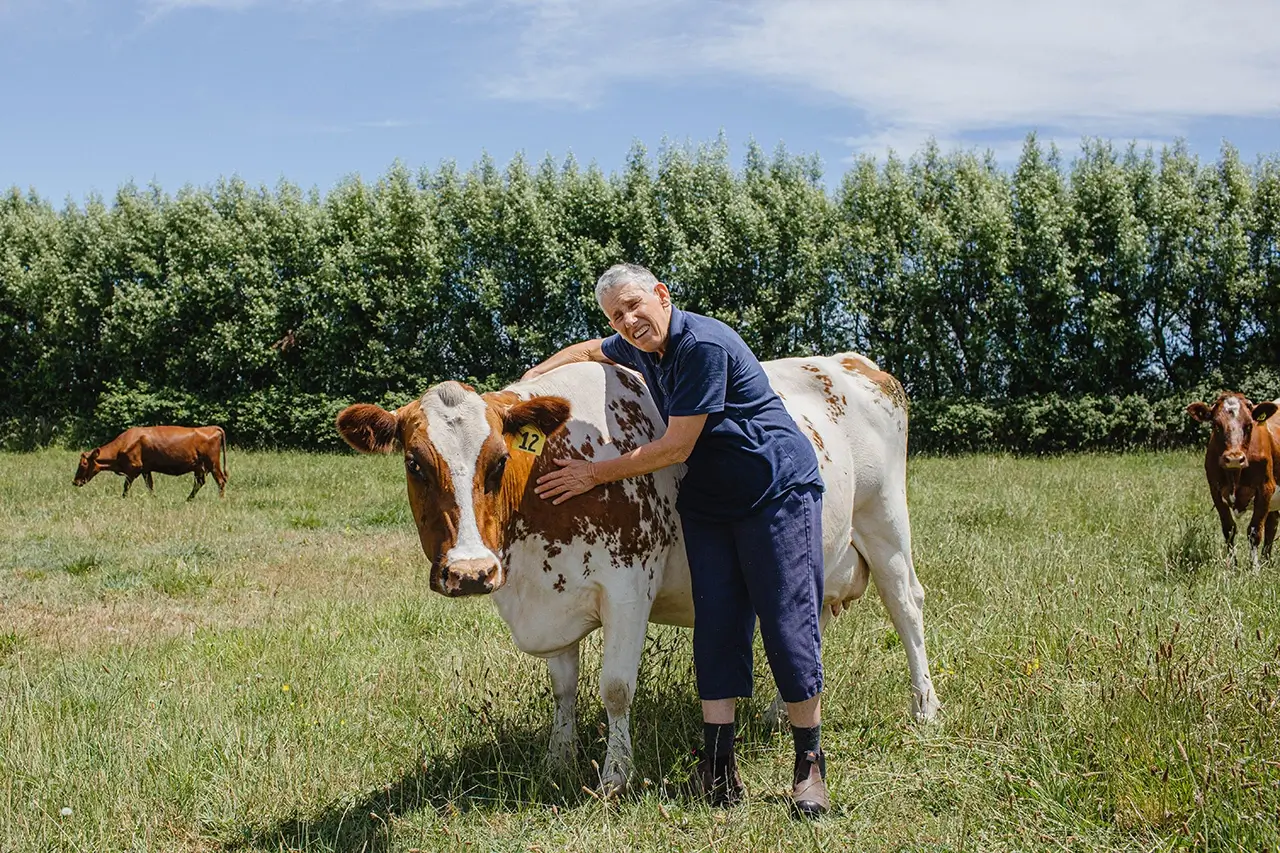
{"x": 1031, "y": 667}
{"x": 284, "y": 688}
{"x": 66, "y": 811}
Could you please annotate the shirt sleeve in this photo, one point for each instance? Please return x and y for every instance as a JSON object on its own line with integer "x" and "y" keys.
{"x": 701, "y": 380}
{"x": 619, "y": 351}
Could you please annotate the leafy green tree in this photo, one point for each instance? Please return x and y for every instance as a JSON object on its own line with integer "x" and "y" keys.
{"x": 1033, "y": 319}
{"x": 1108, "y": 343}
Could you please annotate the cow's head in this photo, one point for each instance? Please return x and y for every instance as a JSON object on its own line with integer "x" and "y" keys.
{"x": 1233, "y": 418}
{"x": 465, "y": 470}
{"x": 88, "y": 468}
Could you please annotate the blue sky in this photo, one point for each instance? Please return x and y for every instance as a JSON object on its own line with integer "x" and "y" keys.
{"x": 94, "y": 93}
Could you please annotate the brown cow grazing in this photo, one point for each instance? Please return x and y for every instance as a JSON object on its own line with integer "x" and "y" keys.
{"x": 1240, "y": 464}
{"x": 173, "y": 450}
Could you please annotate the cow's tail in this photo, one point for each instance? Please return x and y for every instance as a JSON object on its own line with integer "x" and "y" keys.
{"x": 226, "y": 471}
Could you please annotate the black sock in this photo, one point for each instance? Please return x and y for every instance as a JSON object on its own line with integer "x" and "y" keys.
{"x": 718, "y": 738}
{"x": 806, "y": 740}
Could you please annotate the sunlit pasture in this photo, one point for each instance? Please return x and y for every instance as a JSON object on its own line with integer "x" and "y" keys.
{"x": 271, "y": 672}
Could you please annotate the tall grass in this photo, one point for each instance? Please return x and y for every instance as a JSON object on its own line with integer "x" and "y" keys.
{"x": 270, "y": 672}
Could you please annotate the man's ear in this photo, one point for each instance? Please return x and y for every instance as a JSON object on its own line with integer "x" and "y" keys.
{"x": 1200, "y": 411}
{"x": 546, "y": 413}
{"x": 664, "y": 294}
{"x": 369, "y": 428}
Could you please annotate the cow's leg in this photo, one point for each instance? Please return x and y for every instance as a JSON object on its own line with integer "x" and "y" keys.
{"x": 1227, "y": 519}
{"x": 1261, "y": 508}
{"x": 219, "y": 477}
{"x": 564, "y": 686}
{"x": 776, "y": 714}
{"x": 128, "y": 481}
{"x": 1273, "y": 519}
{"x": 151, "y": 486}
{"x": 624, "y": 628}
{"x": 195, "y": 487}
{"x": 884, "y": 539}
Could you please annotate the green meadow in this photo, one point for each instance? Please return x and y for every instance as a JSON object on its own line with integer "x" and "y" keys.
{"x": 271, "y": 672}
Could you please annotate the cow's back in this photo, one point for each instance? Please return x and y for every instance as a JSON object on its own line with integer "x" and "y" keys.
{"x": 855, "y": 415}
{"x": 178, "y": 449}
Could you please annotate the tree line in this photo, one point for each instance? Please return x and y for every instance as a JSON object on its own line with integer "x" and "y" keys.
{"x": 1048, "y": 306}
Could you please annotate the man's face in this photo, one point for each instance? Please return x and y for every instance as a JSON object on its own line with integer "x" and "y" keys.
{"x": 642, "y": 318}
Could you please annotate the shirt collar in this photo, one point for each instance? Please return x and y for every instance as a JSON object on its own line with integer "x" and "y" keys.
{"x": 674, "y": 330}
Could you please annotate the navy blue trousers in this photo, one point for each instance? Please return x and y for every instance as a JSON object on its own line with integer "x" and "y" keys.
{"x": 768, "y": 564}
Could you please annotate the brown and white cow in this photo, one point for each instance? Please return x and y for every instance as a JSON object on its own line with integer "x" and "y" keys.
{"x": 1240, "y": 464}
{"x": 173, "y": 450}
{"x": 614, "y": 558}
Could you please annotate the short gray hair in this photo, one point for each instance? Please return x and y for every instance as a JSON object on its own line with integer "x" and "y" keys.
{"x": 620, "y": 274}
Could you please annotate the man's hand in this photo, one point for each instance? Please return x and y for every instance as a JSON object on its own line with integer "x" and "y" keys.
{"x": 575, "y": 477}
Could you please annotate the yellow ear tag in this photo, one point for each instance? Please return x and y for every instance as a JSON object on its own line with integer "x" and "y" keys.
{"x": 531, "y": 439}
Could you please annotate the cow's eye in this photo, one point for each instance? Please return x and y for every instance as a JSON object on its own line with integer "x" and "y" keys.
{"x": 493, "y": 480}
{"x": 411, "y": 465}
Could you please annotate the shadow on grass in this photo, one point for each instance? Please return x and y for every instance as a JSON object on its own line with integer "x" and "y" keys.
{"x": 505, "y": 770}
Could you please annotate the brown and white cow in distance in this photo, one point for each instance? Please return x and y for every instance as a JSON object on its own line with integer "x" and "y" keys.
{"x": 614, "y": 557}
{"x": 1240, "y": 464}
{"x": 174, "y": 450}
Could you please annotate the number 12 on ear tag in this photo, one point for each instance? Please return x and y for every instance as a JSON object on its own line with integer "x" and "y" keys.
{"x": 531, "y": 439}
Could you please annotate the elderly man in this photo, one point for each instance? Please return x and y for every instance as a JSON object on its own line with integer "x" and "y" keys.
{"x": 750, "y": 505}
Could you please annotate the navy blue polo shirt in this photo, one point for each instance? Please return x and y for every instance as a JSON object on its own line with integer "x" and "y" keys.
{"x": 750, "y": 450}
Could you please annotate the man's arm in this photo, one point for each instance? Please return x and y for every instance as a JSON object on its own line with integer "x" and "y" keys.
{"x": 576, "y": 476}
{"x": 585, "y": 351}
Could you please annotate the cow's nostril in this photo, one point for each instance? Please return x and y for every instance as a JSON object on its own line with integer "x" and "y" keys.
{"x": 493, "y": 580}
{"x": 472, "y": 577}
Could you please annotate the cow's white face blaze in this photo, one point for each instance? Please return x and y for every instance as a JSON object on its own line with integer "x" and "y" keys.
{"x": 464, "y": 483}
{"x": 458, "y": 428}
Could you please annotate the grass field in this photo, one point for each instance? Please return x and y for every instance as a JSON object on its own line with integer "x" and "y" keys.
{"x": 271, "y": 672}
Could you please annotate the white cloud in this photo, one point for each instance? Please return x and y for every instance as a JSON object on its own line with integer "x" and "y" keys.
{"x": 968, "y": 72}
{"x": 571, "y": 50}
{"x": 915, "y": 68}
{"x": 964, "y": 64}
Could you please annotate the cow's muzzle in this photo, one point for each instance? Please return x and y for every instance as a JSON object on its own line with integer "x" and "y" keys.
{"x": 471, "y": 577}
{"x": 1235, "y": 460}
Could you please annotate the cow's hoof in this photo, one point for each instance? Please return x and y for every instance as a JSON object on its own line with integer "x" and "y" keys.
{"x": 925, "y": 708}
{"x": 613, "y": 787}
{"x": 613, "y": 783}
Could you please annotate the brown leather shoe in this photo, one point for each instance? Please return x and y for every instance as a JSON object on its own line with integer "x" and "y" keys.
{"x": 717, "y": 780}
{"x": 809, "y": 795}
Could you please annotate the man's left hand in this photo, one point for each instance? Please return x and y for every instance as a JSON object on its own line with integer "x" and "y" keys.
{"x": 574, "y": 477}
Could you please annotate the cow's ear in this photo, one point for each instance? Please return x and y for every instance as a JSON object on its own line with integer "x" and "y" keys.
{"x": 1262, "y": 411}
{"x": 1200, "y": 411}
{"x": 368, "y": 428}
{"x": 546, "y": 413}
